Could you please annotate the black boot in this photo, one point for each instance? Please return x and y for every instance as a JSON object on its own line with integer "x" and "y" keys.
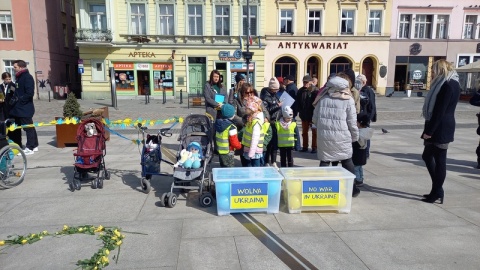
{"x": 478, "y": 163}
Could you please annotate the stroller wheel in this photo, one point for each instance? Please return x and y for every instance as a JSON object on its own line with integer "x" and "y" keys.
{"x": 171, "y": 199}
{"x": 146, "y": 187}
{"x": 107, "y": 175}
{"x": 163, "y": 200}
{"x": 206, "y": 200}
{"x": 99, "y": 183}
{"x": 94, "y": 184}
{"x": 77, "y": 184}
{"x": 71, "y": 186}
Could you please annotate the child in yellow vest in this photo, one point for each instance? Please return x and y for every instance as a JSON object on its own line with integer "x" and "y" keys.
{"x": 286, "y": 136}
{"x": 253, "y": 134}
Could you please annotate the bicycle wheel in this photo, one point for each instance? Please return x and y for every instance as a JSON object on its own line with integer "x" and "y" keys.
{"x": 12, "y": 166}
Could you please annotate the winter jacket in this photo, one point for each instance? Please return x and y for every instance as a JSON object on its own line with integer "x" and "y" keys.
{"x": 270, "y": 102}
{"x": 359, "y": 156}
{"x": 221, "y": 125}
{"x": 370, "y": 108}
{"x": 24, "y": 91}
{"x": 210, "y": 103}
{"x": 336, "y": 121}
{"x": 7, "y": 90}
{"x": 442, "y": 123}
{"x": 304, "y": 101}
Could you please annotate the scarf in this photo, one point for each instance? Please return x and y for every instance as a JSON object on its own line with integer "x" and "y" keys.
{"x": 20, "y": 72}
{"x": 431, "y": 98}
{"x": 284, "y": 124}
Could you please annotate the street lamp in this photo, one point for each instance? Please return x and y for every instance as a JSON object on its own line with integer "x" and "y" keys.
{"x": 247, "y": 55}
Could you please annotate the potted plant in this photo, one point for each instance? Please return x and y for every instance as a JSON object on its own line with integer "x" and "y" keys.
{"x": 67, "y": 133}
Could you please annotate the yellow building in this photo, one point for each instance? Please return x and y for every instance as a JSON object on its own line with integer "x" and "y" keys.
{"x": 152, "y": 46}
{"x": 320, "y": 37}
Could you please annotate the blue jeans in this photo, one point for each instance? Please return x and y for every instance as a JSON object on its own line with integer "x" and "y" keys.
{"x": 359, "y": 173}
{"x": 253, "y": 162}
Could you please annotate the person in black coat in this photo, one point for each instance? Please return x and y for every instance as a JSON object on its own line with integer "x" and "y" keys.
{"x": 304, "y": 100}
{"x": 7, "y": 88}
{"x": 274, "y": 107}
{"x": 475, "y": 101}
{"x": 22, "y": 108}
{"x": 439, "y": 114}
{"x": 213, "y": 92}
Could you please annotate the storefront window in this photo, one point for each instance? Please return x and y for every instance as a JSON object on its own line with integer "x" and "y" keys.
{"x": 163, "y": 77}
{"x": 418, "y": 71}
{"x": 124, "y": 76}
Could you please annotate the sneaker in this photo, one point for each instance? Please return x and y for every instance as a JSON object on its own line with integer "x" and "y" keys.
{"x": 314, "y": 151}
{"x": 35, "y": 149}
{"x": 275, "y": 165}
{"x": 28, "y": 152}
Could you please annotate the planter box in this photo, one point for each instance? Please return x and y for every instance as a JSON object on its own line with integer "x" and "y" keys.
{"x": 67, "y": 134}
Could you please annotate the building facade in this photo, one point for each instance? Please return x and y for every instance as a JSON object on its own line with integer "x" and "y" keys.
{"x": 321, "y": 37}
{"x": 428, "y": 30}
{"x": 41, "y": 33}
{"x": 166, "y": 46}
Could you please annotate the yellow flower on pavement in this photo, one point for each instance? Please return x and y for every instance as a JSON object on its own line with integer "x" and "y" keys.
{"x": 118, "y": 243}
{"x": 95, "y": 268}
{"x": 104, "y": 259}
{"x": 65, "y": 227}
{"x": 99, "y": 228}
{"x": 116, "y": 232}
{"x": 24, "y": 241}
{"x": 123, "y": 236}
{"x": 44, "y": 232}
{"x": 2, "y": 243}
{"x": 114, "y": 238}
{"x": 107, "y": 251}
{"x": 33, "y": 235}
{"x": 41, "y": 237}
{"x": 80, "y": 229}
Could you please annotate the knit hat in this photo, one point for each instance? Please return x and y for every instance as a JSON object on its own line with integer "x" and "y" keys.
{"x": 307, "y": 78}
{"x": 273, "y": 83}
{"x": 228, "y": 111}
{"x": 239, "y": 77}
{"x": 280, "y": 80}
{"x": 253, "y": 105}
{"x": 287, "y": 112}
{"x": 337, "y": 83}
{"x": 362, "y": 118}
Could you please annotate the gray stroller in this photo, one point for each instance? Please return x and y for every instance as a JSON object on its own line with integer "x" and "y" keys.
{"x": 197, "y": 129}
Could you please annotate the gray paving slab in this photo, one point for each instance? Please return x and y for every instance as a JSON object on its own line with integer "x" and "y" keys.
{"x": 422, "y": 248}
{"x": 306, "y": 222}
{"x": 208, "y": 253}
{"x": 253, "y": 255}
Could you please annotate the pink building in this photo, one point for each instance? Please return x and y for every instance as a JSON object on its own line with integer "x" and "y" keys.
{"x": 428, "y": 30}
{"x": 43, "y": 34}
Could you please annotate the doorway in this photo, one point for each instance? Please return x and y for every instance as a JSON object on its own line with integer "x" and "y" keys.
{"x": 143, "y": 82}
{"x": 368, "y": 70}
{"x": 400, "y": 77}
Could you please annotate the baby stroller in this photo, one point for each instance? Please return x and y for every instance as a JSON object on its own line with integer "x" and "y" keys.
{"x": 151, "y": 154}
{"x": 197, "y": 130}
{"x": 89, "y": 156}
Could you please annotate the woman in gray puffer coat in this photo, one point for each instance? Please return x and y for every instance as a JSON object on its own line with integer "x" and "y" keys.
{"x": 335, "y": 117}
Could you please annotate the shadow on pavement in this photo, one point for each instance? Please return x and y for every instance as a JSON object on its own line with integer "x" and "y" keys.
{"x": 392, "y": 192}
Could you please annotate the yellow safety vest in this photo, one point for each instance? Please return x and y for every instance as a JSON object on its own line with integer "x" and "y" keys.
{"x": 221, "y": 138}
{"x": 286, "y": 138}
{"x": 247, "y": 134}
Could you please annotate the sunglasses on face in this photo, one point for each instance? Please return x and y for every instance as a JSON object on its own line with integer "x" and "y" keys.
{"x": 249, "y": 92}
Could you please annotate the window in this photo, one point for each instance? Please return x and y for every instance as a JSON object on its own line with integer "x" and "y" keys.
{"x": 62, "y": 5}
{"x": 286, "y": 21}
{"x": 404, "y": 31}
{"x": 9, "y": 68}
{"x": 98, "y": 17}
{"x": 222, "y": 20}
{"x": 469, "y": 28}
{"x": 314, "y": 22}
{"x": 138, "y": 24}
{"x": 348, "y": 17}
{"x": 6, "y": 25}
{"x": 65, "y": 36}
{"x": 423, "y": 26}
{"x": 166, "y": 20}
{"x": 195, "y": 22}
{"x": 253, "y": 21}
{"x": 442, "y": 27}
{"x": 98, "y": 72}
{"x": 375, "y": 22}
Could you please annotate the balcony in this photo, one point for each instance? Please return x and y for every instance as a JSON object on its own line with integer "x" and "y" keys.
{"x": 93, "y": 35}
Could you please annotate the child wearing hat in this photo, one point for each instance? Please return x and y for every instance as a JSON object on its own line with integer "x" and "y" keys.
{"x": 359, "y": 156}
{"x": 226, "y": 138}
{"x": 286, "y": 136}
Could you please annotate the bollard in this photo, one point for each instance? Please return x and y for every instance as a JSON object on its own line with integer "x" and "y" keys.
{"x": 164, "y": 96}
{"x": 49, "y": 96}
{"x": 181, "y": 96}
{"x": 146, "y": 99}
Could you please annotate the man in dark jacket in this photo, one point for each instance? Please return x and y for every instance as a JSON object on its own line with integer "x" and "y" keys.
{"x": 292, "y": 90}
{"x": 22, "y": 109}
{"x": 274, "y": 107}
{"x": 304, "y": 100}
